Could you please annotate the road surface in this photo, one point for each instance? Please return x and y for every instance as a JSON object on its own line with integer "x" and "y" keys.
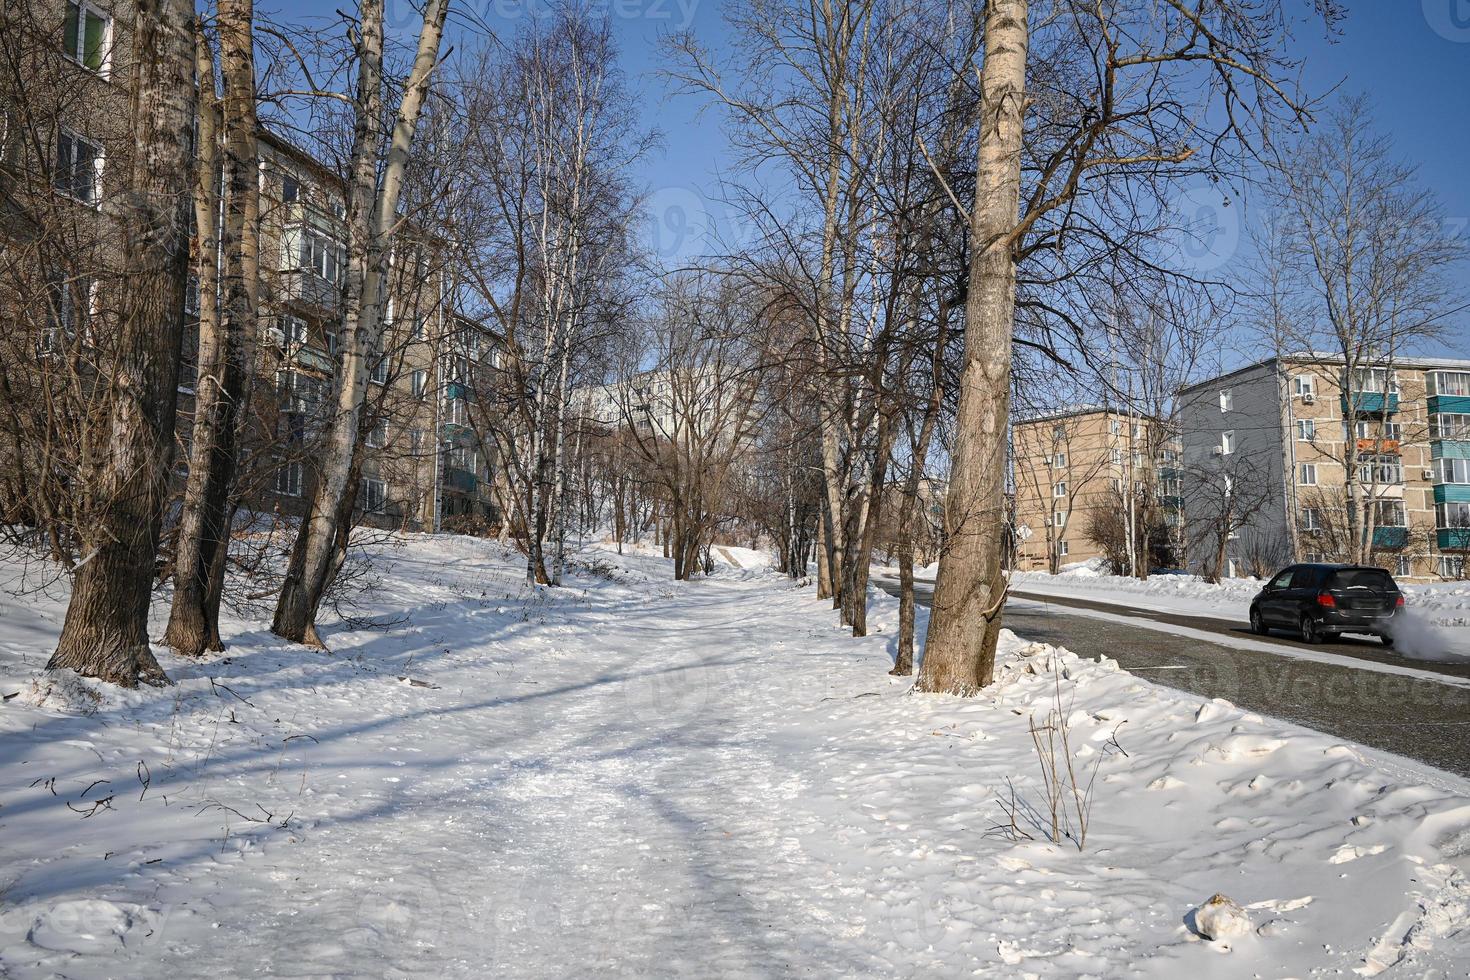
{"x": 1407, "y": 707}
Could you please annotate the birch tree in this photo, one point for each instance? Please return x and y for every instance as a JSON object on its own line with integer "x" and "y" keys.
{"x": 228, "y": 266}
{"x": 378, "y": 162}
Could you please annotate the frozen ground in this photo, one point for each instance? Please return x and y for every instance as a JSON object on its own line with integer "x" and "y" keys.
{"x": 635, "y": 777}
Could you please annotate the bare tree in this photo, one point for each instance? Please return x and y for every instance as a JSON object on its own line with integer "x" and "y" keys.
{"x": 225, "y": 328}
{"x": 1365, "y": 265}
{"x": 378, "y": 172}
{"x": 122, "y": 491}
{"x": 1117, "y": 99}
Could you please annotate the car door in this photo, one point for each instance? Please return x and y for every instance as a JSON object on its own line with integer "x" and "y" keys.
{"x": 1273, "y": 603}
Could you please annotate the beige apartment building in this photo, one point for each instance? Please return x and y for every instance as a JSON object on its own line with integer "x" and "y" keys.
{"x": 1284, "y": 426}
{"x": 1074, "y": 474}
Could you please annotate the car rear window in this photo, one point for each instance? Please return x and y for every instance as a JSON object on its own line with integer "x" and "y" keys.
{"x": 1363, "y": 578}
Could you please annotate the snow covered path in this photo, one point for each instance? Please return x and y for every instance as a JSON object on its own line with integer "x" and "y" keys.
{"x": 647, "y": 778}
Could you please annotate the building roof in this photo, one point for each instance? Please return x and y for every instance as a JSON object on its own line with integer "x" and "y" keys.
{"x": 1319, "y": 357}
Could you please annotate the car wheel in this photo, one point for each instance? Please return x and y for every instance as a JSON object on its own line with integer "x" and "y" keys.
{"x": 1310, "y": 633}
{"x": 1386, "y": 640}
{"x": 1258, "y": 625}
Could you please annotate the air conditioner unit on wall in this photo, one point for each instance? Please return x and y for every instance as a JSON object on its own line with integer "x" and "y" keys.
{"x": 1309, "y": 398}
{"x": 1219, "y": 450}
{"x": 1426, "y": 474}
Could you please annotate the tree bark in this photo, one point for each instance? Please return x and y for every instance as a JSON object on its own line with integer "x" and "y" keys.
{"x": 105, "y": 634}
{"x": 959, "y": 655}
{"x": 204, "y": 526}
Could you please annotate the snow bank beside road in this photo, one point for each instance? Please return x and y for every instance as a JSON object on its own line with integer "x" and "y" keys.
{"x": 637, "y": 777}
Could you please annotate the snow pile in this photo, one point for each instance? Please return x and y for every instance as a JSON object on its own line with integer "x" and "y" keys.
{"x": 631, "y": 776}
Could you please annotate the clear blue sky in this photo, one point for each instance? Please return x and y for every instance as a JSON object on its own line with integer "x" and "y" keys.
{"x": 1412, "y": 57}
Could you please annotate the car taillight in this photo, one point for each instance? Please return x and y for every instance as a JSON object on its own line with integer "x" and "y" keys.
{"x": 1325, "y": 600}
{"x": 1399, "y": 601}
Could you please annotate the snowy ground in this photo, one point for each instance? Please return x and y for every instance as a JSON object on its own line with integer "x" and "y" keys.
{"x": 635, "y": 777}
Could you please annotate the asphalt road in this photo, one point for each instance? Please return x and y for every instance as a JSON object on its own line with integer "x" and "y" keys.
{"x": 1420, "y": 718}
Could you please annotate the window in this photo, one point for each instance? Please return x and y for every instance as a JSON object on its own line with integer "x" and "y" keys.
{"x": 1058, "y": 518}
{"x": 1062, "y": 549}
{"x": 416, "y": 440}
{"x": 1308, "y": 476}
{"x": 1227, "y": 400}
{"x": 1059, "y": 489}
{"x": 1117, "y": 484}
{"x": 1403, "y": 566}
{"x": 379, "y": 375}
{"x": 72, "y": 305}
{"x": 1450, "y": 566}
{"x": 293, "y": 331}
{"x": 419, "y": 382}
{"x": 1303, "y": 384}
{"x": 377, "y": 436}
{"x": 1058, "y": 433}
{"x": 298, "y": 391}
{"x": 1453, "y": 470}
{"x": 1115, "y": 427}
{"x": 288, "y": 480}
{"x": 1311, "y": 519}
{"x": 1306, "y": 430}
{"x": 416, "y": 327}
{"x": 1450, "y": 383}
{"x": 78, "y": 168}
{"x": 1228, "y": 482}
{"x": 374, "y": 495}
{"x": 1389, "y": 513}
{"x": 1115, "y": 456}
{"x": 456, "y": 412}
{"x": 1372, "y": 429}
{"x": 1451, "y": 516}
{"x": 1172, "y": 486}
{"x": 1374, "y": 381}
{"x": 1444, "y": 426}
{"x": 312, "y": 251}
{"x": 388, "y": 312}
{"x": 290, "y": 189}
{"x": 87, "y": 35}
{"x": 1227, "y": 442}
{"x": 330, "y": 336}
{"x": 1381, "y": 470}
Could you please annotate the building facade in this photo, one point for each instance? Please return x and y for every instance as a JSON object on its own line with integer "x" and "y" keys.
{"x": 1075, "y": 474}
{"x": 64, "y": 147}
{"x": 1277, "y": 438}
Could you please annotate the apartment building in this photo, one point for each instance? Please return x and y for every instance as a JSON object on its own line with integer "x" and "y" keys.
{"x": 1279, "y": 435}
{"x": 425, "y": 463}
{"x": 1074, "y": 473}
{"x": 63, "y": 139}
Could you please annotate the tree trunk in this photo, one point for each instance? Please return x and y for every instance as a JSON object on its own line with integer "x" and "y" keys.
{"x": 372, "y": 210}
{"x": 105, "y": 634}
{"x": 204, "y": 524}
{"x": 959, "y": 655}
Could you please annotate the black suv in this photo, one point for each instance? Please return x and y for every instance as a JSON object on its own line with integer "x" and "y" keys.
{"x": 1320, "y": 601}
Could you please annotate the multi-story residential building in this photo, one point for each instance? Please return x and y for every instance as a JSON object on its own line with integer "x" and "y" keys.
{"x": 1074, "y": 473}
{"x": 1277, "y": 437}
{"x": 420, "y": 464}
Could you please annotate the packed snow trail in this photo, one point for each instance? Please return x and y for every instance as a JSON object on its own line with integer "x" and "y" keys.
{"x": 638, "y": 777}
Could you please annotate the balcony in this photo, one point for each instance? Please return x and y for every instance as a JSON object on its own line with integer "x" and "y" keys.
{"x": 1450, "y": 449}
{"x": 1449, "y": 404}
{"x": 306, "y": 287}
{"x": 1453, "y": 539}
{"x": 1452, "y": 493}
{"x": 1378, "y": 445}
{"x": 462, "y": 480}
{"x": 1390, "y": 537}
{"x": 457, "y": 390}
{"x": 1370, "y": 403}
